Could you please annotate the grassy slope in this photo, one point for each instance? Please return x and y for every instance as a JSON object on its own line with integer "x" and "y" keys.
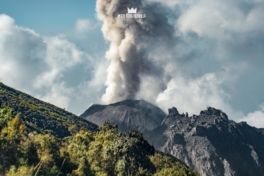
{"x": 41, "y": 116}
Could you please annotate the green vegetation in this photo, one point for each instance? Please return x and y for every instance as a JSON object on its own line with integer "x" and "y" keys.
{"x": 40, "y": 116}
{"x": 37, "y": 138}
{"x": 100, "y": 153}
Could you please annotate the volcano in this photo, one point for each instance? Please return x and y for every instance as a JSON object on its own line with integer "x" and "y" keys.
{"x": 209, "y": 142}
{"x": 129, "y": 114}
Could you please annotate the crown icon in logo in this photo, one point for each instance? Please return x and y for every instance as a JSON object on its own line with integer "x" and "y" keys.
{"x": 132, "y": 10}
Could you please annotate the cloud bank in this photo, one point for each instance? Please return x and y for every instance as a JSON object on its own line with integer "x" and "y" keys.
{"x": 47, "y": 66}
{"x": 212, "y": 55}
{"x": 188, "y": 54}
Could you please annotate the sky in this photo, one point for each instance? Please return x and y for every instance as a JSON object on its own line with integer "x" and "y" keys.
{"x": 56, "y": 51}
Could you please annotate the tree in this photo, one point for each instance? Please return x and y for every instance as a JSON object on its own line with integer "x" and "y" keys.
{"x": 129, "y": 152}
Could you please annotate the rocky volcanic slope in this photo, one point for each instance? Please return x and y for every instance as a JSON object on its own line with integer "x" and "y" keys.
{"x": 129, "y": 114}
{"x": 210, "y": 142}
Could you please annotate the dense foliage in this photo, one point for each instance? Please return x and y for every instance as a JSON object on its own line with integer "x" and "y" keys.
{"x": 37, "y": 138}
{"x": 104, "y": 152}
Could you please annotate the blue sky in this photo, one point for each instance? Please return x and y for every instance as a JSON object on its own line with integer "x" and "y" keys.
{"x": 56, "y": 19}
{"x": 48, "y": 16}
{"x": 55, "y": 50}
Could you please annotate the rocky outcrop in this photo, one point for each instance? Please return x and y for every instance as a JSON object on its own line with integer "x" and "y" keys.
{"x": 211, "y": 143}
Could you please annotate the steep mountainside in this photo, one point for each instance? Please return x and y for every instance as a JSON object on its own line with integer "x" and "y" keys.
{"x": 41, "y": 116}
{"x": 210, "y": 142}
{"x": 129, "y": 114}
{"x": 37, "y": 138}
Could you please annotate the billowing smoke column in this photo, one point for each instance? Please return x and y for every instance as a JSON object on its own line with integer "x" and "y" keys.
{"x": 130, "y": 43}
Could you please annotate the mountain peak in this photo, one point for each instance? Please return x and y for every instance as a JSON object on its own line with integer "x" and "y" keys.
{"x": 173, "y": 112}
{"x": 128, "y": 114}
{"x": 214, "y": 112}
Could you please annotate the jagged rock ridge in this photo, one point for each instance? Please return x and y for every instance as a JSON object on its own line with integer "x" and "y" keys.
{"x": 213, "y": 144}
{"x": 209, "y": 142}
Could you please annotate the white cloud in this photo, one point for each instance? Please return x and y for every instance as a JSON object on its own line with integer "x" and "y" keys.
{"x": 99, "y": 73}
{"x": 85, "y": 25}
{"x": 58, "y": 94}
{"x": 21, "y": 52}
{"x": 211, "y": 37}
{"x": 169, "y": 3}
{"x": 39, "y": 64}
{"x": 60, "y": 55}
{"x": 217, "y": 60}
{"x": 255, "y": 118}
{"x": 221, "y": 19}
{"x": 194, "y": 95}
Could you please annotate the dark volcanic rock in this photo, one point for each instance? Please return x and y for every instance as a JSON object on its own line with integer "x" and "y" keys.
{"x": 209, "y": 142}
{"x": 128, "y": 114}
{"x": 212, "y": 144}
{"x": 261, "y": 130}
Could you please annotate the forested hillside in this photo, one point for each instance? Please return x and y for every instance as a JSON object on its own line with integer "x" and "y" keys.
{"x": 37, "y": 138}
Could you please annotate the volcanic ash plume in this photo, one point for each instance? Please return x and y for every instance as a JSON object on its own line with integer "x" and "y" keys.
{"x": 130, "y": 39}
